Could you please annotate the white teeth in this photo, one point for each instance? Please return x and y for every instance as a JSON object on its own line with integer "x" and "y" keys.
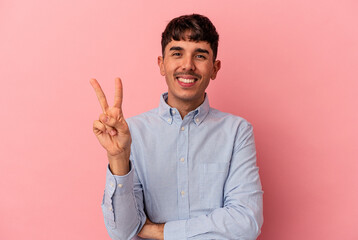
{"x": 184, "y": 80}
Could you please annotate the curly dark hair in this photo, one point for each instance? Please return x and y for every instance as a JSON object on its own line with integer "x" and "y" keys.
{"x": 199, "y": 27}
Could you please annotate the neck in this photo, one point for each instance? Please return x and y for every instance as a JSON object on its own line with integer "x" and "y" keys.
{"x": 184, "y": 107}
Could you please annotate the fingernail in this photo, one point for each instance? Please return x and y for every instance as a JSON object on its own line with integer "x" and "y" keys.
{"x": 113, "y": 132}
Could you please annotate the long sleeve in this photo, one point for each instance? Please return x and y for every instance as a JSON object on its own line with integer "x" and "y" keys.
{"x": 241, "y": 216}
{"x": 122, "y": 205}
{"x": 196, "y": 174}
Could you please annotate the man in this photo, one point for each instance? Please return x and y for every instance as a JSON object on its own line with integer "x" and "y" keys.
{"x": 183, "y": 170}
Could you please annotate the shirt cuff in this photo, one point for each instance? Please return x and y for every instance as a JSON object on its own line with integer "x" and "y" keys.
{"x": 119, "y": 184}
{"x": 175, "y": 230}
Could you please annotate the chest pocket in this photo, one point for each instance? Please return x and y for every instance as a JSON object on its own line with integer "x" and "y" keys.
{"x": 212, "y": 181}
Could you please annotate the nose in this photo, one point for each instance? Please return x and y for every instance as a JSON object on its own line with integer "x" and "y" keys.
{"x": 188, "y": 64}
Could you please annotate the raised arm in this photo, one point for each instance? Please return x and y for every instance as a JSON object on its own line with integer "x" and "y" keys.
{"x": 112, "y": 130}
{"x": 122, "y": 204}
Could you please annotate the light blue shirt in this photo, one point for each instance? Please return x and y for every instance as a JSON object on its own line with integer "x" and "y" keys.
{"x": 198, "y": 175}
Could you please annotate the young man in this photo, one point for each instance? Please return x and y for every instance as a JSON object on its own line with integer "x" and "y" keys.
{"x": 183, "y": 170}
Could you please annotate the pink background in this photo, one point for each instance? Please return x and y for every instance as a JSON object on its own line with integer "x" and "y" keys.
{"x": 289, "y": 67}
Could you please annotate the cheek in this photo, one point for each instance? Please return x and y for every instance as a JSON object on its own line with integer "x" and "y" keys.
{"x": 167, "y": 68}
{"x": 207, "y": 68}
{"x": 168, "y": 80}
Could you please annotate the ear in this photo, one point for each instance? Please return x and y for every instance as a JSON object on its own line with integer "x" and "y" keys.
{"x": 161, "y": 65}
{"x": 217, "y": 66}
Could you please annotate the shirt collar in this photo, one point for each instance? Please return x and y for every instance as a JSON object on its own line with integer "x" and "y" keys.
{"x": 198, "y": 115}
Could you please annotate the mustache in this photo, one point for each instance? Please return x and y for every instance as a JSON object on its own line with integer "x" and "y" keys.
{"x": 177, "y": 74}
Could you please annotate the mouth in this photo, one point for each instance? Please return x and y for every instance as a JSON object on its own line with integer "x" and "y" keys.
{"x": 186, "y": 81}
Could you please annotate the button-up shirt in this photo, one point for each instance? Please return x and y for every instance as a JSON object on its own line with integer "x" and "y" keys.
{"x": 198, "y": 175}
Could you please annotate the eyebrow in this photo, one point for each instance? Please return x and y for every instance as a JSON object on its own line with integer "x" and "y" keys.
{"x": 175, "y": 48}
{"x": 200, "y": 50}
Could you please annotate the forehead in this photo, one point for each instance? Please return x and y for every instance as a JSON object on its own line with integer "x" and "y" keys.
{"x": 189, "y": 46}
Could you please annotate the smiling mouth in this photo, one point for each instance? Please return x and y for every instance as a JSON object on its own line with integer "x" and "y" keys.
{"x": 186, "y": 80}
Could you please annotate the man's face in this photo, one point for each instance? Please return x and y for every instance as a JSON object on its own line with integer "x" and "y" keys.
{"x": 188, "y": 67}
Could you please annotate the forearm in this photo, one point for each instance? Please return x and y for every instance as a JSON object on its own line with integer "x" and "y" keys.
{"x": 229, "y": 222}
{"x": 122, "y": 206}
{"x": 152, "y": 230}
{"x": 119, "y": 164}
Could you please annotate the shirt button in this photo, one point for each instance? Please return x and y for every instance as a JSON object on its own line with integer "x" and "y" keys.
{"x": 182, "y": 193}
{"x": 182, "y": 159}
{"x": 197, "y": 120}
{"x": 169, "y": 119}
{"x": 182, "y": 128}
{"x": 110, "y": 209}
{"x": 111, "y": 184}
{"x": 173, "y": 111}
{"x": 120, "y": 185}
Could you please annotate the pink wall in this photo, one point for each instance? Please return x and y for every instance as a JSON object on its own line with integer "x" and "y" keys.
{"x": 289, "y": 67}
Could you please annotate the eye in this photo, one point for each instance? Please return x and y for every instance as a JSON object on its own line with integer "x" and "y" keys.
{"x": 176, "y": 54}
{"x": 200, "y": 56}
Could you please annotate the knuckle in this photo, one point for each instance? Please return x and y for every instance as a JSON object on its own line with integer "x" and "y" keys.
{"x": 97, "y": 125}
{"x": 103, "y": 119}
{"x": 102, "y": 116}
{"x": 112, "y": 122}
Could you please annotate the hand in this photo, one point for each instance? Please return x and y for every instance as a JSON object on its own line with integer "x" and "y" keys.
{"x": 152, "y": 230}
{"x": 112, "y": 130}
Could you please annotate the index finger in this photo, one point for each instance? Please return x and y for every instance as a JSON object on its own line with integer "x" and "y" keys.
{"x": 100, "y": 94}
{"x": 118, "y": 93}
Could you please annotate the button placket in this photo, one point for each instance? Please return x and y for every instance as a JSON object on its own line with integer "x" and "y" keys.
{"x": 183, "y": 177}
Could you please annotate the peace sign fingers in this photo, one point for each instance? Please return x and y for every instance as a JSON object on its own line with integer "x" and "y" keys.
{"x": 118, "y": 93}
{"x": 100, "y": 95}
{"x": 112, "y": 130}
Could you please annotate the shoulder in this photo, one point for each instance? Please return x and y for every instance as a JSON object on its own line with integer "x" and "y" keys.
{"x": 229, "y": 119}
{"x": 143, "y": 117}
{"x": 144, "y": 122}
{"x": 239, "y": 128}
